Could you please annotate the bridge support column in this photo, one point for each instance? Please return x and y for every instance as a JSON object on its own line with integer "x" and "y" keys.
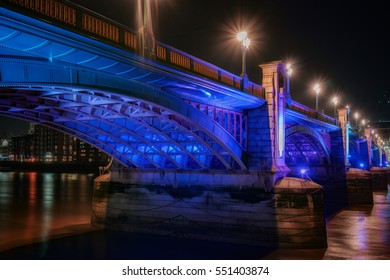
{"x": 214, "y": 213}
{"x": 343, "y": 116}
{"x": 290, "y": 217}
{"x": 300, "y": 213}
{"x": 368, "y": 135}
{"x": 359, "y": 187}
{"x": 266, "y": 125}
{"x": 379, "y": 178}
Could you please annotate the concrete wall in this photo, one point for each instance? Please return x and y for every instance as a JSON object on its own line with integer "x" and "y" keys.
{"x": 260, "y": 152}
{"x": 221, "y": 215}
{"x": 250, "y": 216}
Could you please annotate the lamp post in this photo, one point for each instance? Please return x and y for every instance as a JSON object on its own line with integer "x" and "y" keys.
{"x": 356, "y": 119}
{"x": 146, "y": 38}
{"x": 245, "y": 42}
{"x": 317, "y": 89}
{"x": 335, "y": 101}
{"x": 289, "y": 73}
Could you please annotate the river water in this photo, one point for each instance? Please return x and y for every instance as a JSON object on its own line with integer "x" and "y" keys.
{"x": 47, "y": 216}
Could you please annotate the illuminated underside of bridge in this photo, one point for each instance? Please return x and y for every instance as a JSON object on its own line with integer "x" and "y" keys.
{"x": 303, "y": 150}
{"x": 137, "y": 133}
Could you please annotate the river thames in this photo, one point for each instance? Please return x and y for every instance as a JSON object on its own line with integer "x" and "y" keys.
{"x": 47, "y": 216}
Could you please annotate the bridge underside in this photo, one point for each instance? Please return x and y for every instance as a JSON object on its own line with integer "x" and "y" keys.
{"x": 137, "y": 133}
{"x": 306, "y": 155}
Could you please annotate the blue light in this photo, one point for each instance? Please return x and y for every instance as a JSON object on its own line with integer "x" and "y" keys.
{"x": 361, "y": 165}
{"x": 303, "y": 172}
{"x": 208, "y": 94}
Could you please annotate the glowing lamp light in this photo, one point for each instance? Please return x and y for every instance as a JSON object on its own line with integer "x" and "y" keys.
{"x": 245, "y": 42}
{"x": 303, "y": 172}
{"x": 289, "y": 69}
{"x": 317, "y": 89}
{"x": 241, "y": 36}
{"x": 361, "y": 165}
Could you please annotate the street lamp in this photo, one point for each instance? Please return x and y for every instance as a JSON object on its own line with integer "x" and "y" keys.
{"x": 356, "y": 118}
{"x": 289, "y": 73}
{"x": 289, "y": 69}
{"x": 335, "y": 101}
{"x": 245, "y": 42}
{"x": 317, "y": 89}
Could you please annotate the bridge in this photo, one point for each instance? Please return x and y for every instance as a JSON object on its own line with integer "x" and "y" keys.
{"x": 167, "y": 118}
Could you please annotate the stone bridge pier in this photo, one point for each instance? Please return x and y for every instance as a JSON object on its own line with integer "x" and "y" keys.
{"x": 249, "y": 206}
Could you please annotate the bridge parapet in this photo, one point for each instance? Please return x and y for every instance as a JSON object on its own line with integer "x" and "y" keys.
{"x": 300, "y": 108}
{"x": 177, "y": 58}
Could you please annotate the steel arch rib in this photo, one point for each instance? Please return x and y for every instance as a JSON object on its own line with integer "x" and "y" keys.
{"x": 302, "y": 129}
{"x": 313, "y": 145}
{"x": 142, "y": 122}
{"x": 69, "y": 109}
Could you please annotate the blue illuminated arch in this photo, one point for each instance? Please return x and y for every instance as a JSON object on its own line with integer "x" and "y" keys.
{"x": 140, "y": 125}
{"x": 305, "y": 147}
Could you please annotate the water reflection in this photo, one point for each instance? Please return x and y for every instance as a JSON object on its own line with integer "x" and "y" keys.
{"x": 361, "y": 232}
{"x": 34, "y": 205}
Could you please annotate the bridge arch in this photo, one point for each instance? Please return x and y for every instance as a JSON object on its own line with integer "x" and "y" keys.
{"x": 306, "y": 150}
{"x": 138, "y": 124}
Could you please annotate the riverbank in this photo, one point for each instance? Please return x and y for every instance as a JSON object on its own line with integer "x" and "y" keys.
{"x": 50, "y": 167}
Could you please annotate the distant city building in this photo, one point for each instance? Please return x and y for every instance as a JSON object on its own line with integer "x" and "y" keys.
{"x": 22, "y": 148}
{"x": 45, "y": 144}
{"x": 5, "y": 148}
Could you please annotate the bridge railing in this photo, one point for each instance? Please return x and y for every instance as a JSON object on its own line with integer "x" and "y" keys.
{"x": 300, "y": 108}
{"x": 177, "y": 58}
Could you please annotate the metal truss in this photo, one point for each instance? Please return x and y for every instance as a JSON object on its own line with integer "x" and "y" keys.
{"x": 303, "y": 149}
{"x": 235, "y": 123}
{"x": 138, "y": 133}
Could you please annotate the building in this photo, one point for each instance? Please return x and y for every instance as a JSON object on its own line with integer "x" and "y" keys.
{"x": 22, "y": 148}
{"x": 44, "y": 144}
{"x": 5, "y": 148}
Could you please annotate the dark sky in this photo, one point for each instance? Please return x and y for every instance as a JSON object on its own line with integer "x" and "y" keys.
{"x": 341, "y": 43}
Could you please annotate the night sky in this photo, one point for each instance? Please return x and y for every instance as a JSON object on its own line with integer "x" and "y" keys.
{"x": 342, "y": 44}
